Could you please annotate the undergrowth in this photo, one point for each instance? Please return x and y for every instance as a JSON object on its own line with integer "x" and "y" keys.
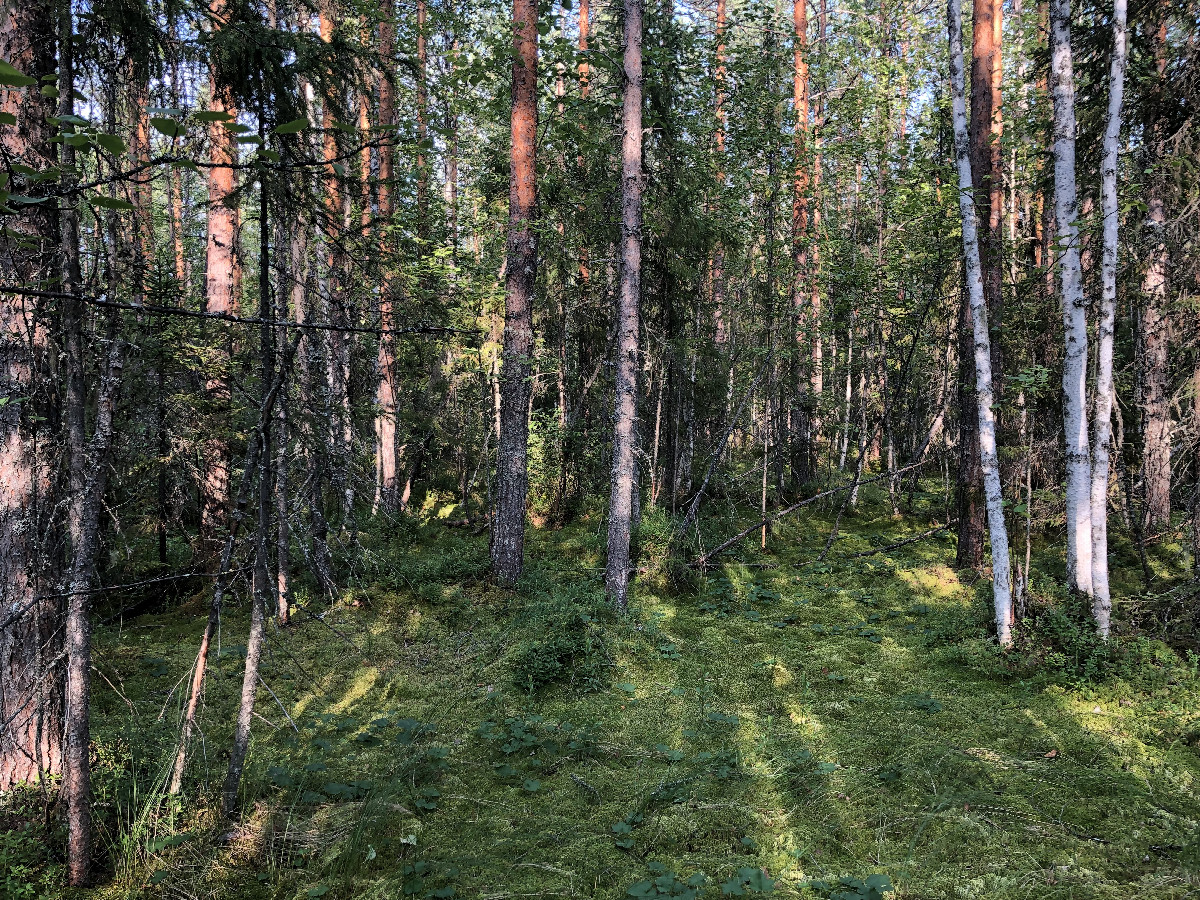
{"x": 842, "y": 729}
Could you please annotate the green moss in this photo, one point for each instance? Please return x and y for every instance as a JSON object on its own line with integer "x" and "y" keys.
{"x": 815, "y": 721}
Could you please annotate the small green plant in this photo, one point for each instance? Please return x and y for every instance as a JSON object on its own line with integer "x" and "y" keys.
{"x": 566, "y": 645}
{"x": 873, "y": 887}
{"x": 665, "y": 883}
{"x": 748, "y": 880}
{"x": 623, "y": 831}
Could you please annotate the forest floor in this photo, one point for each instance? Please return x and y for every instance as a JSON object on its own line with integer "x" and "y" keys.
{"x": 779, "y": 725}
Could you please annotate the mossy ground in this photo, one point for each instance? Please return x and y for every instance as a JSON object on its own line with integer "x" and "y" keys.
{"x": 812, "y": 720}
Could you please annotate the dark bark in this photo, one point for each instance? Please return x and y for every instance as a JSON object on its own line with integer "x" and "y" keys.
{"x": 76, "y": 771}
{"x": 970, "y": 507}
{"x": 30, "y": 679}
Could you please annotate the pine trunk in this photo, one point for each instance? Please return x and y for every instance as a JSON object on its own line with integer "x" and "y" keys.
{"x": 219, "y": 297}
{"x": 624, "y": 466}
{"x": 30, "y": 686}
{"x": 508, "y": 528}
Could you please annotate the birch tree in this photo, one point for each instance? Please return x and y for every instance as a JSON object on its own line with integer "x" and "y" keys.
{"x": 1074, "y": 305}
{"x": 1102, "y": 426}
{"x": 973, "y": 270}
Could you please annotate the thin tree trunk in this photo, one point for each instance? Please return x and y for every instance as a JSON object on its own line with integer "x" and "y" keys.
{"x": 254, "y": 446}
{"x": 1154, "y": 364}
{"x": 512, "y": 478}
{"x": 986, "y": 161}
{"x": 386, "y": 464}
{"x": 1074, "y": 305}
{"x": 625, "y": 431}
{"x": 241, "y": 737}
{"x": 1101, "y": 600}
{"x": 1001, "y": 591}
{"x": 76, "y": 770}
{"x": 801, "y": 453}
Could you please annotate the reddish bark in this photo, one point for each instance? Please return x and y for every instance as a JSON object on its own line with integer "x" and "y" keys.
{"x": 508, "y": 530}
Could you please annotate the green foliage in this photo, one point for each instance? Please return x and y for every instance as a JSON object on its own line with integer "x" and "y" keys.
{"x": 748, "y": 880}
{"x": 28, "y": 870}
{"x": 564, "y": 643}
{"x": 665, "y": 883}
{"x": 760, "y": 755}
{"x": 873, "y": 887}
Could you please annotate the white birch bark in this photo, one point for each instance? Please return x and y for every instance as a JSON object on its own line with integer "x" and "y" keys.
{"x": 1102, "y": 426}
{"x": 998, "y": 533}
{"x": 1074, "y": 306}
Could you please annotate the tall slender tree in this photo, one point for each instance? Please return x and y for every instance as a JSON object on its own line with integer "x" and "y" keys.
{"x": 1106, "y": 325}
{"x": 625, "y": 432}
{"x": 1074, "y": 304}
{"x": 220, "y": 291}
{"x": 1153, "y": 363}
{"x": 973, "y": 271}
{"x": 802, "y": 317}
{"x": 386, "y": 462}
{"x": 512, "y": 477}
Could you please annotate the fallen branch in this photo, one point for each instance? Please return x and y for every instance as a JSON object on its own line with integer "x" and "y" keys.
{"x": 702, "y": 561}
{"x": 904, "y": 543}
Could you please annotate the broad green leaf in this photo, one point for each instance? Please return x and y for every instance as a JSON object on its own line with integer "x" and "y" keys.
{"x": 293, "y": 127}
{"x": 112, "y": 143}
{"x": 111, "y": 203}
{"x": 10, "y": 76}
{"x": 7, "y": 119}
{"x": 169, "y": 127}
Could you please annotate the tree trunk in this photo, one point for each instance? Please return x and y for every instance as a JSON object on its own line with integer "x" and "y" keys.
{"x": 76, "y": 771}
{"x": 1154, "y": 375}
{"x": 508, "y": 527}
{"x": 261, "y": 588}
{"x": 1074, "y": 305}
{"x": 987, "y": 163}
{"x": 30, "y": 685}
{"x": 717, "y": 268}
{"x": 969, "y": 493}
{"x": 800, "y": 451}
{"x": 1152, "y": 359}
{"x": 817, "y": 383}
{"x": 1101, "y": 600}
{"x": 989, "y": 461}
{"x": 250, "y": 467}
{"x": 385, "y": 390}
{"x": 624, "y": 464}
{"x": 219, "y": 297}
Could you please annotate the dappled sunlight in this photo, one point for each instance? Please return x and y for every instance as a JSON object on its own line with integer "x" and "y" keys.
{"x": 768, "y": 721}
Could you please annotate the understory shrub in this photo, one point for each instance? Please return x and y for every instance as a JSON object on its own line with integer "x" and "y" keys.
{"x": 564, "y": 643}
